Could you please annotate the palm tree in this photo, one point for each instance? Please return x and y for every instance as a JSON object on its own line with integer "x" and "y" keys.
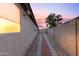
{"x": 53, "y": 20}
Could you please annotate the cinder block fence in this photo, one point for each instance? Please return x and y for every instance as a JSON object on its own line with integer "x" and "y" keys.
{"x": 67, "y": 36}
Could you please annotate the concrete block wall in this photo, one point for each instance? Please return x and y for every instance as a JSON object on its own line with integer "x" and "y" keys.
{"x": 65, "y": 35}
{"x": 17, "y": 43}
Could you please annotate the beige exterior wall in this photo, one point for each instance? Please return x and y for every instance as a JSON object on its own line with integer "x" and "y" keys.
{"x": 17, "y": 43}
{"x": 65, "y": 36}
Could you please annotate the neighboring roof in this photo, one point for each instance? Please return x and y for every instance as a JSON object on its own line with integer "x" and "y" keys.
{"x": 26, "y": 6}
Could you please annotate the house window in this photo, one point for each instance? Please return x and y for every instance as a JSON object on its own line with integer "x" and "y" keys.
{"x": 9, "y": 18}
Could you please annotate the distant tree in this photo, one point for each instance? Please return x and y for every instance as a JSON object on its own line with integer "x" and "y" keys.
{"x": 53, "y": 20}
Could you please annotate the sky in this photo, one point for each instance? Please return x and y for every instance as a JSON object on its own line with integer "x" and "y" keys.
{"x": 42, "y": 10}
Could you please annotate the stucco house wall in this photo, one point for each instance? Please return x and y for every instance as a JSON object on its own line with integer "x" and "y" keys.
{"x": 17, "y": 43}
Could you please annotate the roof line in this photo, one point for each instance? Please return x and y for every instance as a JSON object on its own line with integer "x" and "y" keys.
{"x": 25, "y": 7}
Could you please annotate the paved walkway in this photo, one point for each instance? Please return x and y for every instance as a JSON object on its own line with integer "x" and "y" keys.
{"x": 45, "y": 50}
{"x": 49, "y": 46}
{"x": 44, "y": 45}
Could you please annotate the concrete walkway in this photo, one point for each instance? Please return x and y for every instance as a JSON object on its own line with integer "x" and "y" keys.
{"x": 44, "y": 45}
{"x": 45, "y": 50}
{"x": 39, "y": 46}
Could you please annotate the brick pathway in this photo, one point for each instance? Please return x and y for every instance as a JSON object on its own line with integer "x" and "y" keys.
{"x": 45, "y": 51}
